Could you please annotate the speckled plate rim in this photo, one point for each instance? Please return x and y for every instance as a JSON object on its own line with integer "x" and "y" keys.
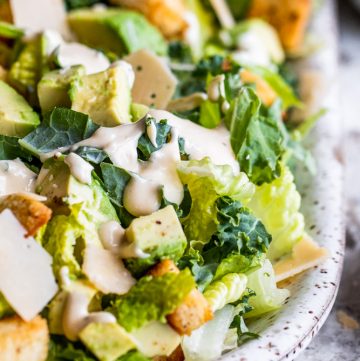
{"x": 285, "y": 334}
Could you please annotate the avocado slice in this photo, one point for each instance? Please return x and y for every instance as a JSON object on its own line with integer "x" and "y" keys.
{"x": 116, "y": 31}
{"x": 29, "y": 67}
{"x": 53, "y": 88}
{"x": 105, "y": 96}
{"x": 159, "y": 235}
{"x": 17, "y": 118}
{"x": 107, "y": 341}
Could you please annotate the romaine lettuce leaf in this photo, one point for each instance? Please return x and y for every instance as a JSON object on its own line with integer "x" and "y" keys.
{"x": 278, "y": 206}
{"x": 267, "y": 296}
{"x": 278, "y": 84}
{"x": 152, "y": 298}
{"x": 60, "y": 128}
{"x": 207, "y": 182}
{"x": 257, "y": 139}
{"x": 226, "y": 290}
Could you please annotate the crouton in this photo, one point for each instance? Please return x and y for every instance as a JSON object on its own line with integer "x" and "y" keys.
{"x": 23, "y": 341}
{"x": 289, "y": 17}
{"x": 177, "y": 355}
{"x": 3, "y": 73}
{"x": 163, "y": 267}
{"x": 193, "y": 312}
{"x": 31, "y": 213}
{"x": 167, "y": 15}
{"x": 262, "y": 88}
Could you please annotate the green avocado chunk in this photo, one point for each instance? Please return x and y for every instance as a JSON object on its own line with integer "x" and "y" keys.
{"x": 160, "y": 235}
{"x": 53, "y": 88}
{"x": 116, "y": 31}
{"x": 107, "y": 341}
{"x": 104, "y": 96}
{"x": 17, "y": 118}
{"x": 29, "y": 67}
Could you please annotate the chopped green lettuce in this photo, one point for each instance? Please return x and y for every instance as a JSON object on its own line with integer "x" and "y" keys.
{"x": 256, "y": 138}
{"x": 60, "y": 128}
{"x": 10, "y": 149}
{"x": 278, "y": 206}
{"x": 278, "y": 84}
{"x": 207, "y": 182}
{"x": 152, "y": 298}
{"x": 238, "y": 245}
{"x": 226, "y": 290}
{"x": 267, "y": 296}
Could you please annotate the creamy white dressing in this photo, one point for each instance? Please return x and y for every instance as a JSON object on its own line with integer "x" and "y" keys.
{"x": 106, "y": 271}
{"x": 201, "y": 142}
{"x": 15, "y": 177}
{"x": 142, "y": 195}
{"x": 76, "y": 315}
{"x": 79, "y": 168}
{"x": 69, "y": 54}
{"x": 112, "y": 236}
{"x": 216, "y": 88}
{"x": 152, "y": 133}
{"x": 189, "y": 102}
{"x": 119, "y": 143}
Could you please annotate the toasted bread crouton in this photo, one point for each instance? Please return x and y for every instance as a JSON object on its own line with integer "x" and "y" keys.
{"x": 289, "y": 17}
{"x": 262, "y": 88}
{"x": 163, "y": 267}
{"x": 167, "y": 15}
{"x": 31, "y": 213}
{"x": 176, "y": 355}
{"x": 193, "y": 312}
{"x": 23, "y": 341}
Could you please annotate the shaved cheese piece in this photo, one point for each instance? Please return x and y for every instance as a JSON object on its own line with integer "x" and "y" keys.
{"x": 39, "y": 15}
{"x": 306, "y": 254}
{"x": 154, "y": 83}
{"x": 26, "y": 277}
{"x": 106, "y": 271}
{"x": 156, "y": 338}
{"x": 223, "y": 13}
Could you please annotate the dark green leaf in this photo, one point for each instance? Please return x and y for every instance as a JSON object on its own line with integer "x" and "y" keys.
{"x": 10, "y": 149}
{"x": 115, "y": 180}
{"x": 183, "y": 154}
{"x": 92, "y": 155}
{"x": 237, "y": 246}
{"x": 243, "y": 307}
{"x": 257, "y": 139}
{"x": 61, "y": 127}
{"x": 239, "y": 8}
{"x": 145, "y": 147}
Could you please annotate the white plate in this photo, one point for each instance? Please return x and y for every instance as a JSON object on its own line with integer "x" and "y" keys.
{"x": 285, "y": 334}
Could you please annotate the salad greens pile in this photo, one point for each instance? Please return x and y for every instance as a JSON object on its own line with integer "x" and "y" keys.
{"x": 165, "y": 224}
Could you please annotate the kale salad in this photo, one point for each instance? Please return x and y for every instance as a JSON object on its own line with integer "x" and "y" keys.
{"x": 148, "y": 205}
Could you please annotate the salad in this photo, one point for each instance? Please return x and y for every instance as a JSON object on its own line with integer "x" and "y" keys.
{"x": 148, "y": 206}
